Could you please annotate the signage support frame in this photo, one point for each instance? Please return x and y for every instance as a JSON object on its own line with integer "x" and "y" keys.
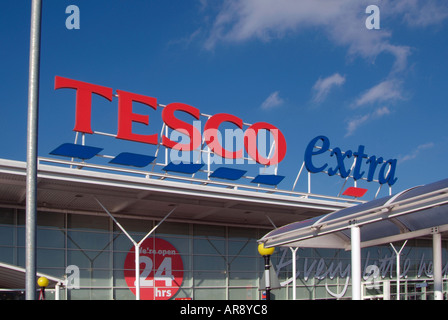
{"x": 397, "y": 254}
{"x": 136, "y": 246}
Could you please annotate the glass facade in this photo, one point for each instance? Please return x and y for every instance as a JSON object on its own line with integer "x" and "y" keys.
{"x": 219, "y": 262}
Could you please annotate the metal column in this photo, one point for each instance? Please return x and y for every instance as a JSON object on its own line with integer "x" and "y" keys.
{"x": 31, "y": 154}
{"x": 356, "y": 262}
{"x": 437, "y": 265}
{"x": 397, "y": 254}
{"x": 294, "y": 275}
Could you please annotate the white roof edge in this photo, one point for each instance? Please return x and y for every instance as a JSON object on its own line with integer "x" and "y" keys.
{"x": 119, "y": 180}
{"x": 52, "y": 279}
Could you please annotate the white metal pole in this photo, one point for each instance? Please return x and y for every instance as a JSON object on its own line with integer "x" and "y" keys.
{"x": 437, "y": 265}
{"x": 398, "y": 253}
{"x": 56, "y": 291}
{"x": 298, "y": 175}
{"x": 398, "y": 276}
{"x": 137, "y": 271}
{"x": 31, "y": 175}
{"x": 309, "y": 182}
{"x": 356, "y": 262}
{"x": 166, "y": 149}
{"x": 294, "y": 276}
{"x": 386, "y": 289}
{"x": 266, "y": 275}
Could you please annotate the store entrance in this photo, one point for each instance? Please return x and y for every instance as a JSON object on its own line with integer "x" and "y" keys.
{"x": 387, "y": 290}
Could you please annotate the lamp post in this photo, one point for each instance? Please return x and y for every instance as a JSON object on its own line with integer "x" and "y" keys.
{"x": 266, "y": 253}
{"x": 43, "y": 283}
{"x": 31, "y": 153}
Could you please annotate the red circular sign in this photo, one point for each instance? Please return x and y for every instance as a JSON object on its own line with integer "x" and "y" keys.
{"x": 161, "y": 270}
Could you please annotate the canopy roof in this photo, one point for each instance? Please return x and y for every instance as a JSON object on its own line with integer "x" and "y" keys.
{"x": 13, "y": 277}
{"x": 126, "y": 195}
{"x": 413, "y": 213}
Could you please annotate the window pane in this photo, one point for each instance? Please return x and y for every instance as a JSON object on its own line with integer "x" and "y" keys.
{"x": 7, "y": 255}
{"x": 243, "y": 263}
{"x": 209, "y": 263}
{"x": 90, "y": 294}
{"x": 123, "y": 294}
{"x": 242, "y": 234}
{"x": 6, "y": 235}
{"x": 248, "y": 248}
{"x": 209, "y": 294}
{"x": 6, "y": 216}
{"x": 88, "y": 222}
{"x": 171, "y": 228}
{"x": 209, "y": 246}
{"x": 243, "y": 278}
{"x": 88, "y": 240}
{"x": 210, "y": 231}
{"x": 243, "y": 294}
{"x": 50, "y": 258}
{"x": 48, "y": 238}
{"x": 50, "y": 219}
{"x": 209, "y": 279}
{"x": 88, "y": 259}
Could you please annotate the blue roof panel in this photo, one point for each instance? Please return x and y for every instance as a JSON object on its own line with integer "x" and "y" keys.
{"x": 228, "y": 173}
{"x": 270, "y": 179}
{"x": 188, "y": 168}
{"x": 133, "y": 159}
{"x": 72, "y": 150}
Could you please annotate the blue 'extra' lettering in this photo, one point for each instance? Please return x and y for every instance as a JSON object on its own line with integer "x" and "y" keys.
{"x": 321, "y": 144}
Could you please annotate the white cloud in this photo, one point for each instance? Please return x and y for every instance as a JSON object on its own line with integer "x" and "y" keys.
{"x": 355, "y": 123}
{"x": 419, "y": 13}
{"x": 343, "y": 21}
{"x": 381, "y": 112}
{"x": 323, "y": 86}
{"x": 272, "y": 101}
{"x": 241, "y": 20}
{"x": 416, "y": 152}
{"x": 388, "y": 90}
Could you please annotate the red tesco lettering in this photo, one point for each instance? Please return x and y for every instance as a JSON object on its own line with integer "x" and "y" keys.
{"x": 126, "y": 117}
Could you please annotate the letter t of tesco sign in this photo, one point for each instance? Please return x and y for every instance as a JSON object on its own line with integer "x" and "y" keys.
{"x": 126, "y": 117}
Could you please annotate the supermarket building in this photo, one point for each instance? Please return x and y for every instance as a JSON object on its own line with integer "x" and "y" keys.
{"x": 197, "y": 225}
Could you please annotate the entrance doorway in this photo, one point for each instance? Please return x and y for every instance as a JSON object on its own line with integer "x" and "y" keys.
{"x": 410, "y": 289}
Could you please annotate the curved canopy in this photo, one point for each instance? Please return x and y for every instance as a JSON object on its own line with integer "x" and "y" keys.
{"x": 413, "y": 213}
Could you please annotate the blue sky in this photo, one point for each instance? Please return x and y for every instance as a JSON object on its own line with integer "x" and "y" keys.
{"x": 308, "y": 67}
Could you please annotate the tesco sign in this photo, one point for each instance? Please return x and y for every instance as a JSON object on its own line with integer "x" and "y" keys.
{"x": 315, "y": 160}
{"x": 126, "y": 117}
